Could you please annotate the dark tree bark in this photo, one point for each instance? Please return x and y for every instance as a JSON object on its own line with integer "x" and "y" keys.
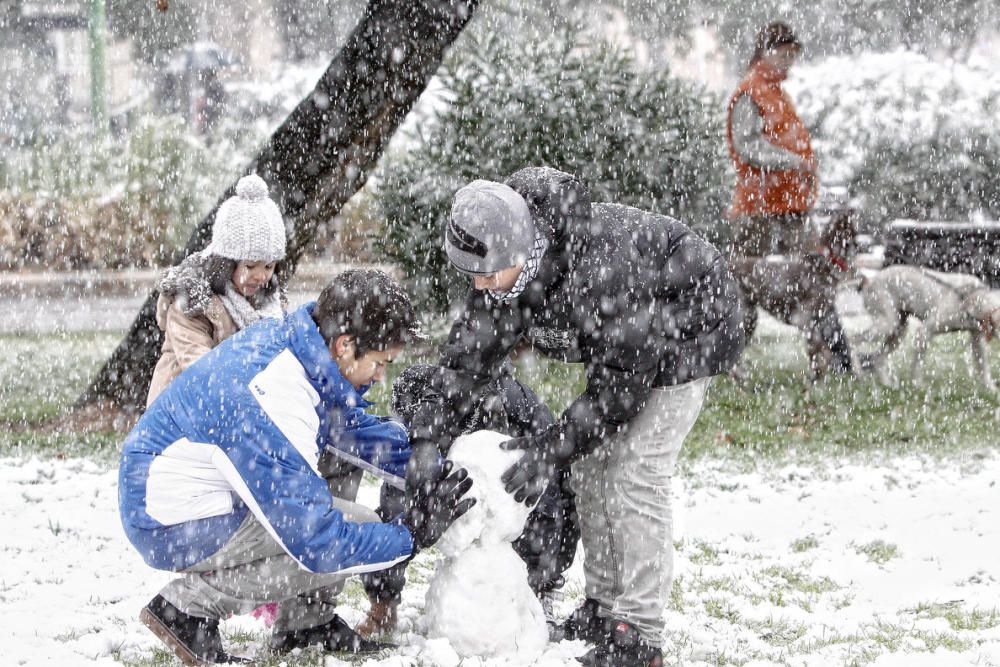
{"x": 320, "y": 156}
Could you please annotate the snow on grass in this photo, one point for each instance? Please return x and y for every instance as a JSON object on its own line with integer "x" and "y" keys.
{"x": 833, "y": 563}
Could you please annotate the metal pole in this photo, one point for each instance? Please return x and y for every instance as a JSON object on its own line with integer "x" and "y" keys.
{"x": 98, "y": 89}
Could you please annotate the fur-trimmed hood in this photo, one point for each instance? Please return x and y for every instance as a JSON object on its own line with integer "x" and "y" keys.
{"x": 189, "y": 286}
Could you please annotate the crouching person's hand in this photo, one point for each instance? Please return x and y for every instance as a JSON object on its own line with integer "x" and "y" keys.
{"x": 435, "y": 503}
{"x": 422, "y": 470}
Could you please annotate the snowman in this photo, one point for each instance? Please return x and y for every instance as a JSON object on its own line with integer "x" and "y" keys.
{"x": 479, "y": 599}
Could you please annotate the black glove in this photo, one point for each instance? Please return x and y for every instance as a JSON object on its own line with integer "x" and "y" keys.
{"x": 436, "y": 504}
{"x": 422, "y": 470}
{"x": 544, "y": 453}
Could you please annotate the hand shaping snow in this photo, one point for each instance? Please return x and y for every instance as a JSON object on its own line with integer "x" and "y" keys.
{"x": 526, "y": 478}
{"x": 435, "y": 505}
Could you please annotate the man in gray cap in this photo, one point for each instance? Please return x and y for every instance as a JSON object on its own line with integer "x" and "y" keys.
{"x": 652, "y": 312}
{"x": 490, "y": 236}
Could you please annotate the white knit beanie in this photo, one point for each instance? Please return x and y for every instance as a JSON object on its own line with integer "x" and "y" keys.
{"x": 248, "y": 227}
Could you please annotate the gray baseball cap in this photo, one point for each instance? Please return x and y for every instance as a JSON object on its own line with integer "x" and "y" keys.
{"x": 490, "y": 229}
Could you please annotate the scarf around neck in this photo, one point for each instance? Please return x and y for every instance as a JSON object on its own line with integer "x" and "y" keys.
{"x": 243, "y": 312}
{"x": 529, "y": 271}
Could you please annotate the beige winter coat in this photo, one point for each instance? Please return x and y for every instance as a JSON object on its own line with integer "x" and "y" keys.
{"x": 186, "y": 338}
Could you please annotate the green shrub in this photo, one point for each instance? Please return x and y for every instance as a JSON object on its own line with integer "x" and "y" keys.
{"x": 80, "y": 203}
{"x": 953, "y": 175}
{"x": 635, "y": 137}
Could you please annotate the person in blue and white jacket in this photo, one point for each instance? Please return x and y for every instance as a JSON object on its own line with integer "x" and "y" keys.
{"x": 220, "y": 479}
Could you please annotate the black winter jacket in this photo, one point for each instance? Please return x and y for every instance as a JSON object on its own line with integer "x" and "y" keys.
{"x": 637, "y": 297}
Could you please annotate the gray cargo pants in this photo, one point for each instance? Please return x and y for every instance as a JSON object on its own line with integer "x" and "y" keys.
{"x": 252, "y": 569}
{"x": 623, "y": 501}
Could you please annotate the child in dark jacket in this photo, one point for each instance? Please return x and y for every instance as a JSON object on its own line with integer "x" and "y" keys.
{"x": 548, "y": 543}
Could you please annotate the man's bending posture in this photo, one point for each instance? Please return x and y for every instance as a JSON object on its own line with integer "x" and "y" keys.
{"x": 219, "y": 479}
{"x": 651, "y": 311}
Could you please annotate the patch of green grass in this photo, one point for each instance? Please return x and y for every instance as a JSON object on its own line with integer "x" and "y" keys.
{"x": 959, "y": 618}
{"x": 98, "y": 446}
{"x": 676, "y": 602}
{"x": 775, "y": 412}
{"x": 353, "y": 594}
{"x": 788, "y": 586}
{"x": 805, "y": 544}
{"x": 158, "y": 657}
{"x": 875, "y": 639}
{"x": 243, "y": 638}
{"x": 798, "y": 580}
{"x": 778, "y": 632}
{"x": 421, "y": 569}
{"x": 882, "y": 637}
{"x": 704, "y": 554}
{"x": 879, "y": 552}
{"x": 73, "y": 635}
{"x": 721, "y": 609}
{"x": 42, "y": 374}
{"x": 311, "y": 657}
{"x": 778, "y": 412}
{"x": 973, "y": 619}
{"x": 253, "y": 645}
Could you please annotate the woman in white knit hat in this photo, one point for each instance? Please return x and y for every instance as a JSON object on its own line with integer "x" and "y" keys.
{"x": 227, "y": 286}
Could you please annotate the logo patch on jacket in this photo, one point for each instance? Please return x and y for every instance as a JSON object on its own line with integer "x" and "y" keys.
{"x": 550, "y": 338}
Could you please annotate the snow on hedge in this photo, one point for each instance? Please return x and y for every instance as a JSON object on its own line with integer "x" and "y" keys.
{"x": 854, "y": 102}
{"x": 904, "y": 131}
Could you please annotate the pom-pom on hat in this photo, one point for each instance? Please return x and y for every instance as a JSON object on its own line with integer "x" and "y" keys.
{"x": 248, "y": 226}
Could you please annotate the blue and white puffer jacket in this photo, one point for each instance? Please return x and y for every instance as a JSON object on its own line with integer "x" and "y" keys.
{"x": 241, "y": 431}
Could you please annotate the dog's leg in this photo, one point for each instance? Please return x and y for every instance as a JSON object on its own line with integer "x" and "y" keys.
{"x": 888, "y": 330}
{"x": 820, "y": 357}
{"x": 921, "y": 342}
{"x": 981, "y": 362}
{"x": 739, "y": 371}
{"x": 826, "y": 324}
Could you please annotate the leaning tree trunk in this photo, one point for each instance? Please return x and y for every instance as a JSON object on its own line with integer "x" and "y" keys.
{"x": 320, "y": 156}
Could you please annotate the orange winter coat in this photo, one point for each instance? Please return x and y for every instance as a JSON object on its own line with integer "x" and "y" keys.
{"x": 774, "y": 192}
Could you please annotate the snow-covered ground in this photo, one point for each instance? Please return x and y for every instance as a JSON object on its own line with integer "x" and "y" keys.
{"x": 887, "y": 563}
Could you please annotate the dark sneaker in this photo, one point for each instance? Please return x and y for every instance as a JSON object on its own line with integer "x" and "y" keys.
{"x": 194, "y": 640}
{"x": 586, "y": 623}
{"x": 335, "y": 636}
{"x": 623, "y": 648}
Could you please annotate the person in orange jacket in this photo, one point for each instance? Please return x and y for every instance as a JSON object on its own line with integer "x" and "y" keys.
{"x": 776, "y": 180}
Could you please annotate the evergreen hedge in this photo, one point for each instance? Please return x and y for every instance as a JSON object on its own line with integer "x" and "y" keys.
{"x": 636, "y": 137}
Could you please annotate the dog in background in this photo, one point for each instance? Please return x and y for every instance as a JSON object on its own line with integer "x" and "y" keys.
{"x": 943, "y": 302}
{"x": 801, "y": 291}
